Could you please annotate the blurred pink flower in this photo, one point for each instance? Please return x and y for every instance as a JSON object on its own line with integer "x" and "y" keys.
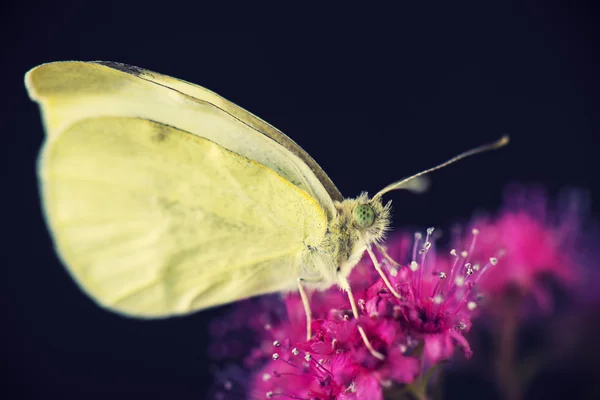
{"x": 535, "y": 239}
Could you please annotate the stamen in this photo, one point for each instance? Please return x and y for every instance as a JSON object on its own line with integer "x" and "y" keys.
{"x": 475, "y": 232}
{"x": 442, "y": 276}
{"x": 460, "y": 280}
{"x": 453, "y": 269}
{"x": 462, "y": 301}
{"x": 423, "y": 253}
{"x": 418, "y": 237}
{"x": 457, "y": 279}
{"x": 493, "y": 261}
{"x": 288, "y": 362}
{"x": 469, "y": 269}
{"x": 319, "y": 365}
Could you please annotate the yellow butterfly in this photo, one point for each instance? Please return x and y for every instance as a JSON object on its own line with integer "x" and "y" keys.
{"x": 163, "y": 198}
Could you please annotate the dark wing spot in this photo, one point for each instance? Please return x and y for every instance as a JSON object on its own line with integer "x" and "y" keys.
{"x": 161, "y": 134}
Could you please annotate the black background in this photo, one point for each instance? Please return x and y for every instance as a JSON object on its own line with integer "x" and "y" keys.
{"x": 372, "y": 94}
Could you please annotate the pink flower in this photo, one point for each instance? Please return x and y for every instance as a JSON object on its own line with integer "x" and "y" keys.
{"x": 535, "y": 240}
{"x": 437, "y": 301}
{"x": 334, "y": 364}
{"x": 439, "y": 297}
{"x": 346, "y": 370}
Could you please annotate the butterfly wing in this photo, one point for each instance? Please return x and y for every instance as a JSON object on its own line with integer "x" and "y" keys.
{"x": 153, "y": 221}
{"x": 70, "y": 91}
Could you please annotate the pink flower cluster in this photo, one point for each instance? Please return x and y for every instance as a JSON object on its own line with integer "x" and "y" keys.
{"x": 440, "y": 294}
{"x": 534, "y": 239}
{"x": 414, "y": 332}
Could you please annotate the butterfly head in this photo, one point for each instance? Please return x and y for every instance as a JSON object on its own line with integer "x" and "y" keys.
{"x": 370, "y": 218}
{"x": 363, "y": 221}
{"x": 359, "y": 222}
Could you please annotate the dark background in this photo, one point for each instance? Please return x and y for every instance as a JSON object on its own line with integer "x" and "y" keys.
{"x": 372, "y": 94}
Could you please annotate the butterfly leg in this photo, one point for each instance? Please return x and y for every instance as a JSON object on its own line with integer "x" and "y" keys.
{"x": 346, "y": 286}
{"x": 386, "y": 255}
{"x": 383, "y": 276}
{"x": 306, "y": 304}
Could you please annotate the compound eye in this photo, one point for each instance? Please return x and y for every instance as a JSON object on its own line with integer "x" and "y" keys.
{"x": 364, "y": 216}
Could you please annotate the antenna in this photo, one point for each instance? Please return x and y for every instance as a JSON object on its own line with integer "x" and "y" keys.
{"x": 417, "y": 184}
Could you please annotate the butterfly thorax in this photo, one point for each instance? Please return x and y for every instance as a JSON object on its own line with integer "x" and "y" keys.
{"x": 358, "y": 223}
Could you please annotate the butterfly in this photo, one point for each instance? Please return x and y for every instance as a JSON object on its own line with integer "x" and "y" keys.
{"x": 163, "y": 198}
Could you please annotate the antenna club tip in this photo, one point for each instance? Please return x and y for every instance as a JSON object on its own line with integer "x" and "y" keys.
{"x": 504, "y": 140}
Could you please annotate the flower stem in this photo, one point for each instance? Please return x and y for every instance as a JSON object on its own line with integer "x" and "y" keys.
{"x": 418, "y": 389}
{"x": 508, "y": 379}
